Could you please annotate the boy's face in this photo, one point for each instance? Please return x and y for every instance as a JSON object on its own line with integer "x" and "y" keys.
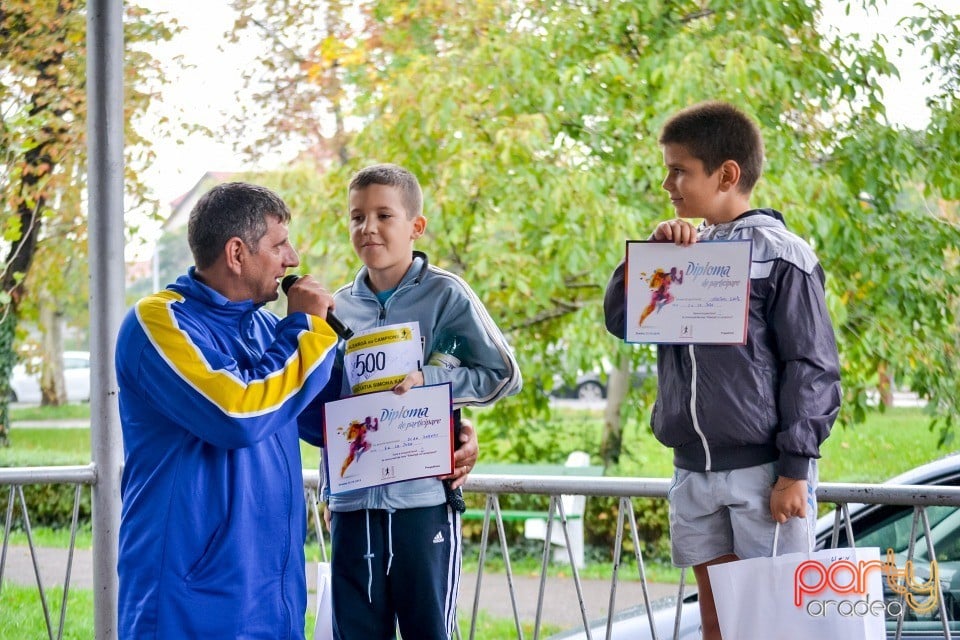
{"x": 381, "y": 232}
{"x": 694, "y": 194}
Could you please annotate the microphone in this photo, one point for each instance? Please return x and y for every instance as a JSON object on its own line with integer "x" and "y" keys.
{"x": 338, "y": 327}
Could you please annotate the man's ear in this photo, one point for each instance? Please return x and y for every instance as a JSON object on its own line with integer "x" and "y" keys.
{"x": 235, "y": 253}
{"x": 729, "y": 175}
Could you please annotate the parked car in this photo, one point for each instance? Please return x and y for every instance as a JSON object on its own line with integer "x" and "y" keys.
{"x": 883, "y": 526}
{"x": 593, "y": 386}
{"x": 25, "y": 383}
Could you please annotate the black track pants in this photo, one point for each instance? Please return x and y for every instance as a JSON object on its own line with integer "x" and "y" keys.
{"x": 395, "y": 569}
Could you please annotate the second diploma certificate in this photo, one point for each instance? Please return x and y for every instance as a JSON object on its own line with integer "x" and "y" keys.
{"x": 695, "y": 294}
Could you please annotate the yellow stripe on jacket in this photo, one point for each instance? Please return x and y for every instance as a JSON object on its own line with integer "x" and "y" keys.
{"x": 235, "y": 396}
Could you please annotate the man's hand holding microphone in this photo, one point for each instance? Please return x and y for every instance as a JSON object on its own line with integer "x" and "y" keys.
{"x": 304, "y": 294}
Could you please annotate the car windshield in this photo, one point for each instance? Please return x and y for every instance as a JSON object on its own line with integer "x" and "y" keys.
{"x": 894, "y": 532}
{"x": 894, "y": 528}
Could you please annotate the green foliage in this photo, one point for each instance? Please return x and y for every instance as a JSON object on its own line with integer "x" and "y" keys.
{"x": 43, "y": 159}
{"x": 533, "y": 128}
{"x": 48, "y": 505}
{"x": 8, "y": 359}
{"x": 51, "y": 505}
{"x": 317, "y": 203}
{"x": 653, "y": 527}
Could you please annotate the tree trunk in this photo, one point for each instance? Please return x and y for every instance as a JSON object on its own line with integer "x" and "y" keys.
{"x": 34, "y": 171}
{"x": 617, "y": 386}
{"x": 885, "y": 384}
{"x": 52, "y": 387}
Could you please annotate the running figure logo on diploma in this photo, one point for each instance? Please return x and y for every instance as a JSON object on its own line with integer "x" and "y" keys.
{"x": 660, "y": 283}
{"x": 356, "y": 435}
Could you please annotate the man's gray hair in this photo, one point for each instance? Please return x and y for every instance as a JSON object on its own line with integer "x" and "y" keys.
{"x": 231, "y": 210}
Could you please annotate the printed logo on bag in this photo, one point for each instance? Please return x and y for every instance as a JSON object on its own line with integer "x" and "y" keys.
{"x": 846, "y": 578}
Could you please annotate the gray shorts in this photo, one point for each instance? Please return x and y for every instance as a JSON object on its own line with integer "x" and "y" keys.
{"x": 716, "y": 513}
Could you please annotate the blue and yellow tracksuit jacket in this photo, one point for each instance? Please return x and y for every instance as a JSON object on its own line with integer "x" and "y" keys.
{"x": 213, "y": 520}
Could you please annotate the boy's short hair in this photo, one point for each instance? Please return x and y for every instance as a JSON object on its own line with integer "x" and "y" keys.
{"x": 229, "y": 210}
{"x": 714, "y": 132}
{"x": 392, "y": 175}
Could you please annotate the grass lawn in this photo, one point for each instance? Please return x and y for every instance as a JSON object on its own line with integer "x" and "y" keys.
{"x": 885, "y": 445}
{"x": 23, "y": 613}
{"x": 78, "y": 410}
{"x": 46, "y": 447}
{"x": 888, "y": 444}
{"x": 23, "y": 617}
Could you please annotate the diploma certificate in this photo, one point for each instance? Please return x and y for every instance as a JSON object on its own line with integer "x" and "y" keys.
{"x": 379, "y": 438}
{"x": 698, "y": 294}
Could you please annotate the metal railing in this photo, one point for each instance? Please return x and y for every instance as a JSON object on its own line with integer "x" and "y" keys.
{"x": 920, "y": 497}
{"x": 492, "y": 487}
{"x": 14, "y": 479}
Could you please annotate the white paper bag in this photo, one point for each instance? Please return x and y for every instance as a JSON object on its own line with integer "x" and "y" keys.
{"x": 324, "y": 628}
{"x": 833, "y": 594}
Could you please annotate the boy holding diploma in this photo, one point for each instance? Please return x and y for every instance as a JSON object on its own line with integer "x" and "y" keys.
{"x": 396, "y": 547}
{"x": 745, "y": 422}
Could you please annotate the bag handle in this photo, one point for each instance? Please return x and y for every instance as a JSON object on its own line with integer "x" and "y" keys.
{"x": 776, "y": 535}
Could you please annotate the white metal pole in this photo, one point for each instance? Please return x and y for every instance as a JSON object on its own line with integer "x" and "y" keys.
{"x": 105, "y": 232}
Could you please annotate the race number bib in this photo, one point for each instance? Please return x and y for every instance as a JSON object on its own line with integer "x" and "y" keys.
{"x": 379, "y": 358}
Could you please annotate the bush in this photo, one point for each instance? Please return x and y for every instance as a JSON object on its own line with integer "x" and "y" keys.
{"x": 600, "y": 525}
{"x": 51, "y": 505}
{"x": 653, "y": 527}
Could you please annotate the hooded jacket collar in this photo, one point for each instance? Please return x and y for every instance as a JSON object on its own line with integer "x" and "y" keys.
{"x": 749, "y": 219}
{"x": 414, "y": 274}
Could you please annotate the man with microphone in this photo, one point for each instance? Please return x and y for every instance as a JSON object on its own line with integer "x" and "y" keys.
{"x": 211, "y": 385}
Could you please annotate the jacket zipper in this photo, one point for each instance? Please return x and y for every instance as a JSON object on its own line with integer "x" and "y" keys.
{"x": 693, "y": 408}
{"x": 286, "y": 543}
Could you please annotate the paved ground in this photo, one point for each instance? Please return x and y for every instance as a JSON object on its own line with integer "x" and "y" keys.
{"x": 560, "y": 597}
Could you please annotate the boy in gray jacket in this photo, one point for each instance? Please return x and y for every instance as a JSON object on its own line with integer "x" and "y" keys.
{"x": 396, "y": 547}
{"x": 745, "y": 421}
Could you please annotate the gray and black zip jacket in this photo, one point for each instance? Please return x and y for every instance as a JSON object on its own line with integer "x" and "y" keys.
{"x": 439, "y": 301}
{"x": 775, "y": 398}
